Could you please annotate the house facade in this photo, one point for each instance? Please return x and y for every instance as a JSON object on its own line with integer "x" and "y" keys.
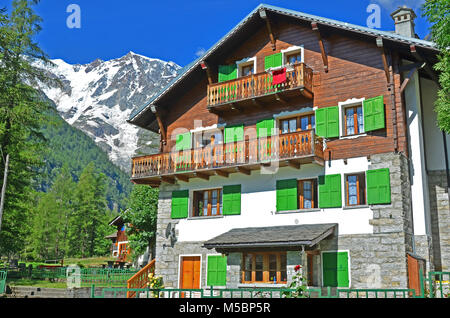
{"x": 119, "y": 240}
{"x": 299, "y": 140}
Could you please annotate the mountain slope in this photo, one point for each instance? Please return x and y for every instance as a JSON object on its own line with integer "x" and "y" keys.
{"x": 99, "y": 97}
{"x": 71, "y": 147}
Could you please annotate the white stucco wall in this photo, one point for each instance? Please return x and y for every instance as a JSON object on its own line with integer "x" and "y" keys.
{"x": 418, "y": 174}
{"x": 434, "y": 143}
{"x": 258, "y": 203}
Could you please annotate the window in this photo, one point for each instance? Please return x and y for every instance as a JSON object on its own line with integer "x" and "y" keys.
{"x": 267, "y": 267}
{"x": 355, "y": 185}
{"x": 247, "y": 70}
{"x": 207, "y": 203}
{"x": 295, "y": 194}
{"x": 297, "y": 123}
{"x": 353, "y": 120}
{"x": 293, "y": 58}
{"x": 307, "y": 194}
{"x": 246, "y": 67}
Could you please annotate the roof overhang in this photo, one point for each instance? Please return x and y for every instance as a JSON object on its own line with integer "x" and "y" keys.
{"x": 144, "y": 118}
{"x": 284, "y": 237}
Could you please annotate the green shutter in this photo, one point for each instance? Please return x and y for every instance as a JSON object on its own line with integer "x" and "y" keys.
{"x": 335, "y": 269}
{"x": 373, "y": 109}
{"x": 217, "y": 270}
{"x": 231, "y": 200}
{"x": 183, "y": 142}
{"x": 264, "y": 127}
{"x": 227, "y": 72}
{"x": 287, "y": 195}
{"x": 327, "y": 122}
{"x": 378, "y": 186}
{"x": 234, "y": 133}
{"x": 180, "y": 205}
{"x": 232, "y": 72}
{"x": 223, "y": 73}
{"x": 330, "y": 195}
{"x": 273, "y": 60}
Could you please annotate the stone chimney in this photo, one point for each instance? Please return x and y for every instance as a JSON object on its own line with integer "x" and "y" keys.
{"x": 404, "y": 21}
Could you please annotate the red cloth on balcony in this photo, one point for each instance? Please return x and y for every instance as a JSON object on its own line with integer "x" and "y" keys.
{"x": 279, "y": 76}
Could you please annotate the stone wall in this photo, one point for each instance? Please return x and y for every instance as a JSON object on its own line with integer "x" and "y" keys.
{"x": 440, "y": 219}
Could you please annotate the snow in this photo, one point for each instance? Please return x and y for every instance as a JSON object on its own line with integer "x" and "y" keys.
{"x": 87, "y": 110}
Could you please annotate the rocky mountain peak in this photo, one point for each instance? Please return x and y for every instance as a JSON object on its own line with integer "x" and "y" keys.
{"x": 99, "y": 97}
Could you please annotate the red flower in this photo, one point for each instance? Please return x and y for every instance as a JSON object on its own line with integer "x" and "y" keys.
{"x": 297, "y": 268}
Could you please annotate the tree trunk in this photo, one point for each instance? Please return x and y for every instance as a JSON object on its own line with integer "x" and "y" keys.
{"x": 2, "y": 198}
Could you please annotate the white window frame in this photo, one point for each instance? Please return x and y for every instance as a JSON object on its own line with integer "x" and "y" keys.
{"x": 293, "y": 49}
{"x": 348, "y": 266}
{"x": 342, "y": 106}
{"x": 245, "y": 62}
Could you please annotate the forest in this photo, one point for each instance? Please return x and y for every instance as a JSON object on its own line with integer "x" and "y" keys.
{"x": 59, "y": 189}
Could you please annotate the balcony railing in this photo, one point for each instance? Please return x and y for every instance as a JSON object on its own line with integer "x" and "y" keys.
{"x": 256, "y": 85}
{"x": 285, "y": 147}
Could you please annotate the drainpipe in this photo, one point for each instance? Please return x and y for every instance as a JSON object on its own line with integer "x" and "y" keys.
{"x": 444, "y": 139}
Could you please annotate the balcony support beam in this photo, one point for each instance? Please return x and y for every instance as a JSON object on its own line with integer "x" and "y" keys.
{"x": 419, "y": 58}
{"x": 384, "y": 59}
{"x": 294, "y": 164}
{"x": 263, "y": 15}
{"x": 315, "y": 28}
{"x": 162, "y": 130}
{"x": 168, "y": 180}
{"x": 221, "y": 173}
{"x": 206, "y": 67}
{"x": 182, "y": 178}
{"x": 243, "y": 170}
{"x": 306, "y": 93}
{"x": 280, "y": 99}
{"x": 201, "y": 175}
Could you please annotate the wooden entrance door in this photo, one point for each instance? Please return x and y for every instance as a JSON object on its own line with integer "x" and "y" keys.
{"x": 416, "y": 268}
{"x": 190, "y": 272}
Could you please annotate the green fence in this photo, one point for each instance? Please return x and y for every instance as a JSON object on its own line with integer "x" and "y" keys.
{"x": 439, "y": 284}
{"x": 101, "y": 277}
{"x": 2, "y": 281}
{"x": 253, "y": 293}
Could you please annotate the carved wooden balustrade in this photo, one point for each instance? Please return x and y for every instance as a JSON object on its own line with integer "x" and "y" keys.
{"x": 302, "y": 144}
{"x": 259, "y": 84}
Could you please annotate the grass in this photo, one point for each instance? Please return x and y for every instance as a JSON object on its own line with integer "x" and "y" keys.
{"x": 89, "y": 262}
{"x": 35, "y": 283}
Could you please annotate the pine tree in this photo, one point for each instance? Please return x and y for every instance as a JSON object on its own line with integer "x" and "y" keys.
{"x": 90, "y": 211}
{"x": 22, "y": 111}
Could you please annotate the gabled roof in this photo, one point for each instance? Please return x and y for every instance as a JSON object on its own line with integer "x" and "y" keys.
{"x": 385, "y": 35}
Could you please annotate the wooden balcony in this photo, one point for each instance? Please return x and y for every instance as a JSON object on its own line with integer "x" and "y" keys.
{"x": 258, "y": 89}
{"x": 293, "y": 149}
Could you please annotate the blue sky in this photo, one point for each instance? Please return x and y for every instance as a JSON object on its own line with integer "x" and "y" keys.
{"x": 175, "y": 30}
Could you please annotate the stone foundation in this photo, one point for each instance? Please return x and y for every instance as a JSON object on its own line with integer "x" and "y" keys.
{"x": 440, "y": 219}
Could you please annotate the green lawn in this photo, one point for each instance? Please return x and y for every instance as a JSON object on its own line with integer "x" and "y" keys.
{"x": 89, "y": 262}
{"x": 35, "y": 283}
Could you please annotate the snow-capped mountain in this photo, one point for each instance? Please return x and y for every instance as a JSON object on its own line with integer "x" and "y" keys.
{"x": 99, "y": 97}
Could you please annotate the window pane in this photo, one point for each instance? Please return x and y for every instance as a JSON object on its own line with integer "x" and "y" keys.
{"x": 283, "y": 267}
{"x": 307, "y": 194}
{"x": 214, "y": 203}
{"x": 352, "y": 190}
{"x": 292, "y": 125}
{"x": 259, "y": 262}
{"x": 205, "y": 203}
{"x": 350, "y": 121}
{"x": 304, "y": 122}
{"x": 284, "y": 126}
{"x": 360, "y": 119}
{"x": 259, "y": 276}
{"x": 313, "y": 122}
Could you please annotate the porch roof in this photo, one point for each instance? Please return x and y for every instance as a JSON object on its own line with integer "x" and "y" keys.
{"x": 273, "y": 236}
